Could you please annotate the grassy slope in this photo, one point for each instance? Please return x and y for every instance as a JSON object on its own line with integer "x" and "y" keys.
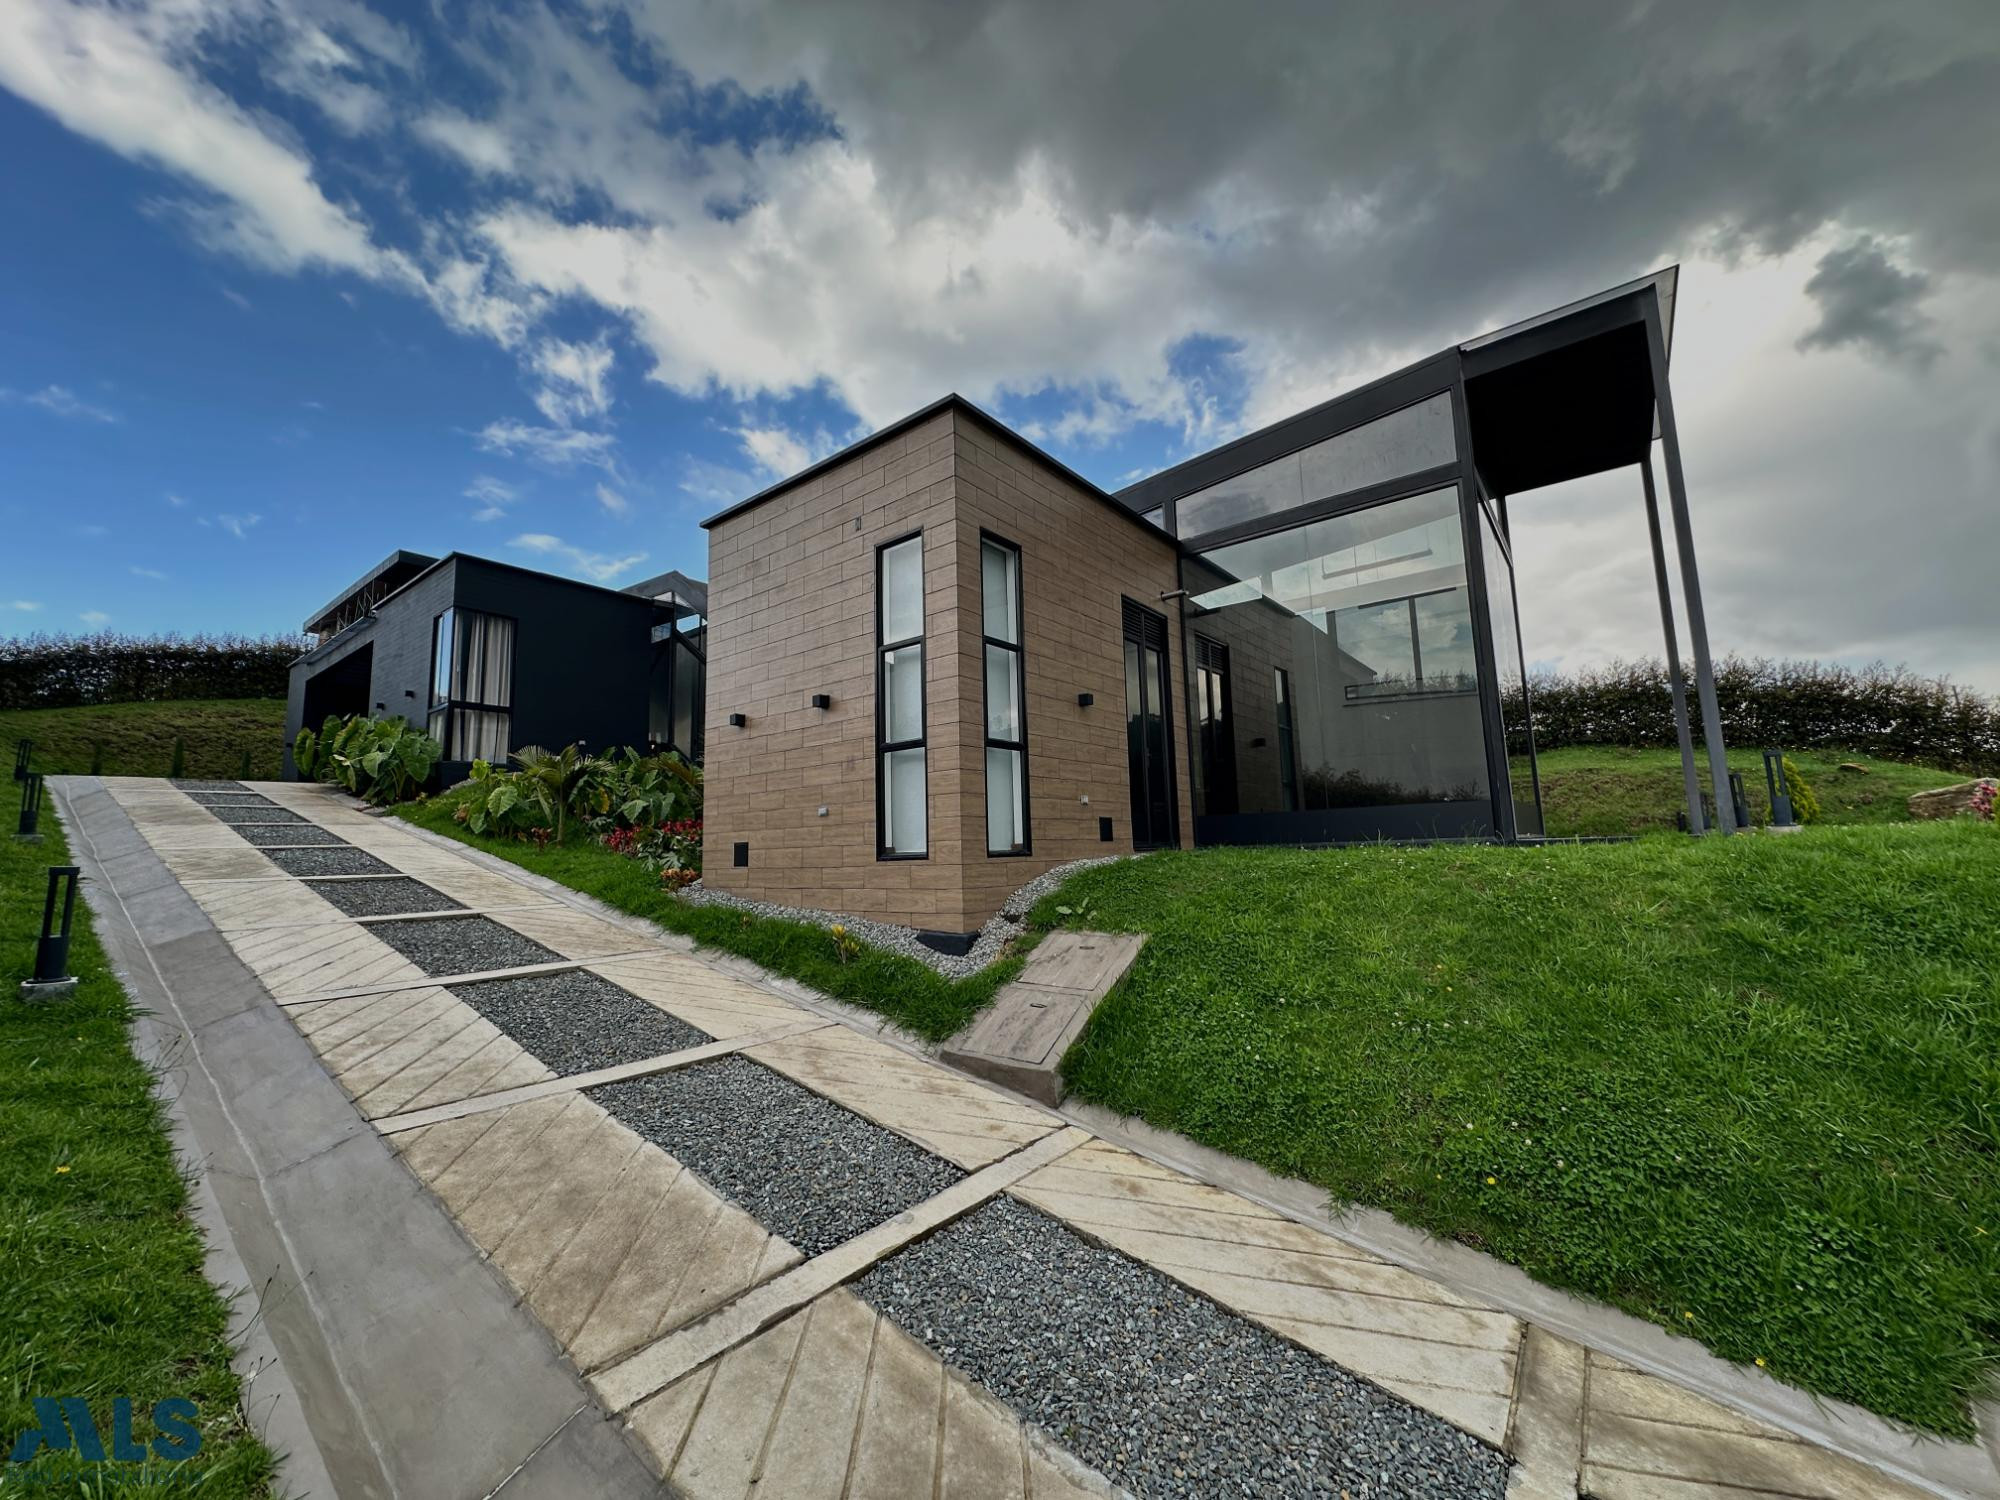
{"x": 104, "y": 1294}
{"x": 905, "y": 991}
{"x": 1609, "y": 789}
{"x": 1745, "y": 1088}
{"x": 138, "y": 738}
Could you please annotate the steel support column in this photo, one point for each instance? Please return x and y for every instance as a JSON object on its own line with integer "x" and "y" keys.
{"x": 1696, "y": 823}
{"x": 1704, "y": 668}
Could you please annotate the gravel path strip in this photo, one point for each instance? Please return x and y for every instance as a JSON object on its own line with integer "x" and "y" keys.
{"x": 577, "y": 1021}
{"x": 253, "y": 812}
{"x": 385, "y": 898}
{"x": 291, "y": 833}
{"x": 231, "y": 799}
{"x": 463, "y": 945}
{"x": 1157, "y": 1388}
{"x": 893, "y": 938}
{"x": 799, "y": 1164}
{"x": 210, "y": 786}
{"x": 343, "y": 859}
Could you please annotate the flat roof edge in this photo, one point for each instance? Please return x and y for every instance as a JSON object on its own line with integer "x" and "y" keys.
{"x": 950, "y": 402}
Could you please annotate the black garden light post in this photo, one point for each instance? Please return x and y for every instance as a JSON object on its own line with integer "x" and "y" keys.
{"x": 31, "y": 808}
{"x": 52, "y": 979}
{"x": 22, "y": 750}
{"x": 1780, "y": 789}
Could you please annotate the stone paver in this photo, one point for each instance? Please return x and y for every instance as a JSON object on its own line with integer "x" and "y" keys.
{"x": 743, "y": 1368}
{"x": 1405, "y": 1333}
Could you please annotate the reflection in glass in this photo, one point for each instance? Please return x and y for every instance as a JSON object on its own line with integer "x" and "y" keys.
{"x": 1409, "y": 441}
{"x": 1006, "y": 812}
{"x": 903, "y": 590}
{"x": 903, "y": 695}
{"x": 903, "y": 830}
{"x": 1515, "y": 709}
{"x": 1355, "y": 678}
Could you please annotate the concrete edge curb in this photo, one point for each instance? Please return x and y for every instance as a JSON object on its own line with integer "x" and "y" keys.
{"x": 301, "y": 1467}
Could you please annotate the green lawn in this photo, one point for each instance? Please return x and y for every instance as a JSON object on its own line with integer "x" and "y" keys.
{"x": 138, "y": 738}
{"x": 902, "y": 989}
{"x": 1610, "y": 789}
{"x": 101, "y": 1287}
{"x": 1746, "y": 1088}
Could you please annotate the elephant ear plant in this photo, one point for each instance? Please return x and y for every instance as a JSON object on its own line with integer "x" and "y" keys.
{"x": 380, "y": 760}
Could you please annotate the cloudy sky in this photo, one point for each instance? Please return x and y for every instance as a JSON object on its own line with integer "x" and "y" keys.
{"x": 286, "y": 284}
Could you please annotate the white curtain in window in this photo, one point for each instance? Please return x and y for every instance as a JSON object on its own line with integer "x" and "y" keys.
{"x": 486, "y": 660}
{"x": 1006, "y": 818}
{"x": 480, "y": 734}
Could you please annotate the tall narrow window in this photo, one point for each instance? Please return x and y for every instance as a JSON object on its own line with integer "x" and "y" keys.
{"x": 901, "y": 793}
{"x": 472, "y": 685}
{"x": 1006, "y": 695}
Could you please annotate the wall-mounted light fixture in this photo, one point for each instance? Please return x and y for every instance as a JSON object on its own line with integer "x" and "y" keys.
{"x": 1084, "y": 700}
{"x": 737, "y": 721}
{"x": 381, "y": 708}
{"x": 822, "y": 700}
{"x": 409, "y": 692}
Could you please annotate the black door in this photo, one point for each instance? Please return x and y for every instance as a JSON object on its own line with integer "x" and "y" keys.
{"x": 1148, "y": 730}
{"x": 1215, "y": 726}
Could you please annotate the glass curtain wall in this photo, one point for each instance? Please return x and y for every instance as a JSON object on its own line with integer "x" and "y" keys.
{"x": 1354, "y": 675}
{"x": 1516, "y": 712}
{"x": 674, "y": 706}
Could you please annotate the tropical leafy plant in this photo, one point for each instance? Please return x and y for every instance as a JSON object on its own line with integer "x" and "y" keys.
{"x": 380, "y": 760}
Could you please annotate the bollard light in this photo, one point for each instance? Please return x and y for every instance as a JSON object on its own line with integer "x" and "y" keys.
{"x": 31, "y": 808}
{"x": 52, "y": 978}
{"x": 1780, "y": 789}
{"x": 22, "y": 750}
{"x": 1740, "y": 799}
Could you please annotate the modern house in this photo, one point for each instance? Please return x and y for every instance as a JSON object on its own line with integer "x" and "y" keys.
{"x": 940, "y": 661}
{"x": 490, "y": 657}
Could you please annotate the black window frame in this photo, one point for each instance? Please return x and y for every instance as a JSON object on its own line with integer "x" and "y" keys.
{"x": 1026, "y": 848}
{"x": 883, "y": 747}
{"x": 454, "y": 678}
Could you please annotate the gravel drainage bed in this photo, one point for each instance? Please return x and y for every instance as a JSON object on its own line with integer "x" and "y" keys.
{"x": 578, "y": 1021}
{"x": 799, "y": 1164}
{"x": 231, "y": 799}
{"x": 211, "y": 786}
{"x": 463, "y": 945}
{"x": 1160, "y": 1390}
{"x": 385, "y": 898}
{"x": 992, "y": 941}
{"x": 344, "y": 859}
{"x": 291, "y": 833}
{"x": 253, "y": 812}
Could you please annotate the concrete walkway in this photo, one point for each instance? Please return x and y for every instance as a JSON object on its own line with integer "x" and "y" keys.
{"x": 507, "y": 1284}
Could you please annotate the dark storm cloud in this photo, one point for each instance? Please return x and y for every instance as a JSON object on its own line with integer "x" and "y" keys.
{"x": 1416, "y": 174}
{"x": 1867, "y": 300}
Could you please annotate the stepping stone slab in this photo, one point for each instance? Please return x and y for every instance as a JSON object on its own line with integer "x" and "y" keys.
{"x": 1158, "y": 1388}
{"x": 384, "y": 898}
{"x": 800, "y": 1165}
{"x": 463, "y": 945}
{"x": 1019, "y": 1040}
{"x": 340, "y": 859}
{"x": 577, "y": 1022}
{"x": 302, "y": 833}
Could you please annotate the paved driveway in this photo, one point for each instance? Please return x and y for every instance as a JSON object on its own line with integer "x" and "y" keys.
{"x": 542, "y": 1201}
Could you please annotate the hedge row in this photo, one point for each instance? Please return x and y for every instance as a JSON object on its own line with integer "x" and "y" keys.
{"x": 1794, "y": 705}
{"x": 63, "y": 671}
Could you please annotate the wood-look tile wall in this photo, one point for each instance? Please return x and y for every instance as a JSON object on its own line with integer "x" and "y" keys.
{"x": 792, "y": 613}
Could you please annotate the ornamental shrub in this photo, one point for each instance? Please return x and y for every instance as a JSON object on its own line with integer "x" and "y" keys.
{"x": 379, "y": 760}
{"x": 1805, "y": 802}
{"x": 1804, "y": 705}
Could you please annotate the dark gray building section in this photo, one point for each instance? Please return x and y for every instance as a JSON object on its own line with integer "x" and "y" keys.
{"x": 589, "y": 664}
